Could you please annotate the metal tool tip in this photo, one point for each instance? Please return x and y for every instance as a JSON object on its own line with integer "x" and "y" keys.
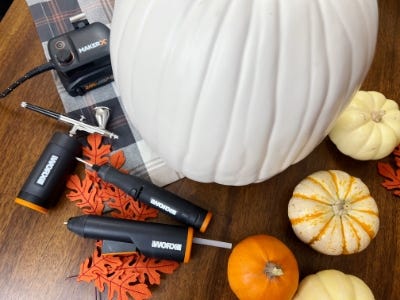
{"x": 23, "y": 104}
{"x": 212, "y": 243}
{"x": 82, "y": 160}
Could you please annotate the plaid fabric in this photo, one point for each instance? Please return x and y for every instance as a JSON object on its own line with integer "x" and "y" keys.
{"x": 52, "y": 19}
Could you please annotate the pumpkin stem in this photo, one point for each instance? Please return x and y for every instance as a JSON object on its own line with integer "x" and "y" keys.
{"x": 340, "y": 208}
{"x": 273, "y": 270}
{"x": 377, "y": 116}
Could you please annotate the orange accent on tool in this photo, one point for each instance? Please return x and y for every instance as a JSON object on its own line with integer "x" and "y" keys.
{"x": 206, "y": 222}
{"x": 189, "y": 243}
{"x": 31, "y": 205}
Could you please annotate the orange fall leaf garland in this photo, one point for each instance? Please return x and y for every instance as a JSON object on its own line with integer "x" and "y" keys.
{"x": 392, "y": 175}
{"x": 107, "y": 271}
{"x": 122, "y": 275}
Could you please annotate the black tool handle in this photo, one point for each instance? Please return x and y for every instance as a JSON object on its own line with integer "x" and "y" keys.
{"x": 46, "y": 182}
{"x": 151, "y": 239}
{"x": 157, "y": 197}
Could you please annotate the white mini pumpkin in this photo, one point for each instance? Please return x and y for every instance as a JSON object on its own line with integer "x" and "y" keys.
{"x": 334, "y": 213}
{"x": 369, "y": 128}
{"x": 236, "y": 91}
{"x": 333, "y": 285}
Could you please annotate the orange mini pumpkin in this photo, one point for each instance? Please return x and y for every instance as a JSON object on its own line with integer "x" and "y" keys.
{"x": 263, "y": 267}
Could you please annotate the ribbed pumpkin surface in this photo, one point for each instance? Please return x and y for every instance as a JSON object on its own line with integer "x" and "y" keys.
{"x": 369, "y": 127}
{"x": 334, "y": 213}
{"x": 333, "y": 285}
{"x": 237, "y": 91}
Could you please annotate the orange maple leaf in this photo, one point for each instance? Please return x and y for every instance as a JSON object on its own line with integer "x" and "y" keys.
{"x": 124, "y": 285}
{"x": 396, "y": 154}
{"x": 124, "y": 205}
{"x": 98, "y": 264}
{"x": 125, "y": 276}
{"x": 396, "y": 151}
{"x": 392, "y": 175}
{"x": 148, "y": 269}
{"x": 117, "y": 159}
{"x": 96, "y": 152}
{"x": 92, "y": 194}
{"x": 106, "y": 270}
{"x": 83, "y": 193}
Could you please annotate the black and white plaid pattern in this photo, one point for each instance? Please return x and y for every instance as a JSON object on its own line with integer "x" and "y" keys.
{"x": 52, "y": 19}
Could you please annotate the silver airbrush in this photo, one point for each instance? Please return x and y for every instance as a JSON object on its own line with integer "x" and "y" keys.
{"x": 46, "y": 181}
{"x": 101, "y": 113}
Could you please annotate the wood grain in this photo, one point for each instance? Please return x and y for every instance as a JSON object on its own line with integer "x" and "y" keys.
{"x": 38, "y": 255}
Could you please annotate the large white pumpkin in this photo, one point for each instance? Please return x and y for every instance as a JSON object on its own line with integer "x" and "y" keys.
{"x": 235, "y": 91}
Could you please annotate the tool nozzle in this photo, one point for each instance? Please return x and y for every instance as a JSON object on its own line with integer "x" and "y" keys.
{"x": 212, "y": 243}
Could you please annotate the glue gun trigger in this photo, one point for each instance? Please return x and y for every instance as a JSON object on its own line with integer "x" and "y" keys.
{"x": 117, "y": 248}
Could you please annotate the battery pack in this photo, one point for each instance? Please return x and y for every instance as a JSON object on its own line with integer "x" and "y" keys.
{"x": 46, "y": 182}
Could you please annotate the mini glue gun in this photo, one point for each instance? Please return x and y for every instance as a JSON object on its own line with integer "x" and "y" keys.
{"x": 121, "y": 236}
{"x": 155, "y": 196}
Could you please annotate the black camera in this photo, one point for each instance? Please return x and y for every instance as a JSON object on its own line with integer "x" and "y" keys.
{"x": 82, "y": 57}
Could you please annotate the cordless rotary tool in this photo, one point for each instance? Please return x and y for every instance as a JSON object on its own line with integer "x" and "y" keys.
{"x": 155, "y": 196}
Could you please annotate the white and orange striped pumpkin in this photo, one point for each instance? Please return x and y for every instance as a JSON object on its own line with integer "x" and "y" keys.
{"x": 236, "y": 91}
{"x": 334, "y": 213}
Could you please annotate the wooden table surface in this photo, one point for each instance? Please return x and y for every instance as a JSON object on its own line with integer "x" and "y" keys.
{"x": 38, "y": 255}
